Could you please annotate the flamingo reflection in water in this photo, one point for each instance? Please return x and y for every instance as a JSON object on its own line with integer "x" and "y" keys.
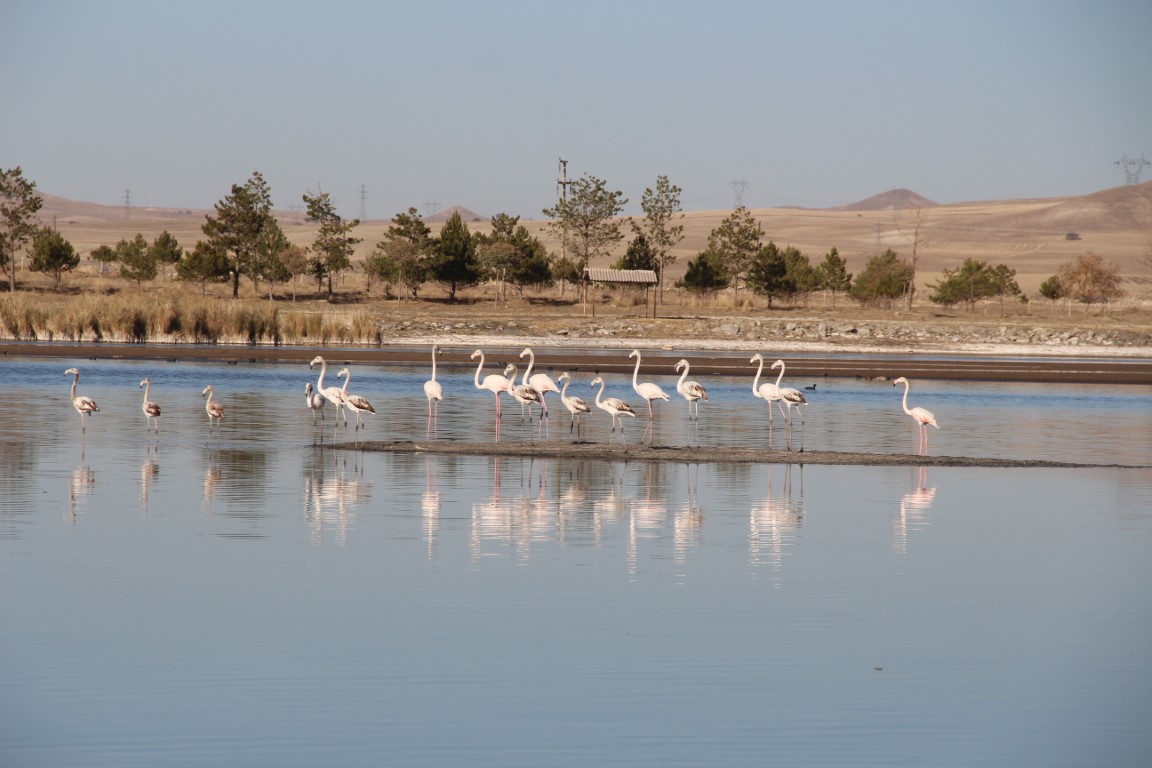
{"x": 332, "y": 493}
{"x": 775, "y": 521}
{"x": 914, "y": 508}
{"x": 430, "y": 506}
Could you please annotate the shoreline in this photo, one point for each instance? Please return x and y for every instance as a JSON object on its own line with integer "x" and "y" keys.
{"x": 806, "y": 360}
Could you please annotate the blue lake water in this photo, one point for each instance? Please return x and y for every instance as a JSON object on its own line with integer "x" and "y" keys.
{"x": 264, "y": 600}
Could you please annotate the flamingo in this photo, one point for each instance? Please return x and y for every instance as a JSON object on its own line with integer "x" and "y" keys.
{"x": 541, "y": 382}
{"x": 613, "y": 405}
{"x": 923, "y": 416}
{"x": 765, "y": 391}
{"x": 791, "y": 397}
{"x": 526, "y": 395}
{"x": 214, "y": 409}
{"x": 315, "y": 402}
{"x": 432, "y": 388}
{"x": 493, "y": 382}
{"x": 82, "y": 403}
{"x": 354, "y": 403}
{"x": 647, "y": 390}
{"x": 331, "y": 394}
{"x": 574, "y": 404}
{"x": 691, "y": 390}
{"x": 150, "y": 408}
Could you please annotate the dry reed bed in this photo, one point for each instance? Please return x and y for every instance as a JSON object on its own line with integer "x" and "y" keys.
{"x": 167, "y": 319}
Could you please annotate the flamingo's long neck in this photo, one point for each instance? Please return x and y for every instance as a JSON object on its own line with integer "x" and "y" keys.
{"x": 756, "y": 381}
{"x": 433, "y": 363}
{"x": 347, "y": 378}
{"x": 906, "y": 409}
{"x": 320, "y": 380}
{"x": 75, "y": 381}
{"x": 601, "y": 391}
{"x": 147, "y": 389}
{"x": 478, "y": 369}
{"x": 564, "y": 391}
{"x": 781, "y": 376}
{"x": 680, "y": 384}
{"x": 636, "y": 373}
{"x": 531, "y": 362}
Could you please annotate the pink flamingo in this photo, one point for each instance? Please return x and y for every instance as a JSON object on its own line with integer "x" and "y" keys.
{"x": 647, "y": 389}
{"x": 432, "y": 388}
{"x": 923, "y": 416}
{"x": 691, "y": 390}
{"x": 766, "y": 391}
{"x": 150, "y": 408}
{"x": 493, "y": 382}
{"x": 541, "y": 382}
{"x": 613, "y": 406}
{"x": 83, "y": 404}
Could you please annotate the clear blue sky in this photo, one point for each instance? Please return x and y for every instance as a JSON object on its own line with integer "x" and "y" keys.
{"x": 468, "y": 103}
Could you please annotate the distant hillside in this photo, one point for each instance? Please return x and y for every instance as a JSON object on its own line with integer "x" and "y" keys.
{"x": 65, "y": 211}
{"x": 1110, "y": 210}
{"x": 892, "y": 200}
{"x": 466, "y": 215}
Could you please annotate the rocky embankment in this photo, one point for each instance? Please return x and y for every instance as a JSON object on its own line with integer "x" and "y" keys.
{"x": 728, "y": 331}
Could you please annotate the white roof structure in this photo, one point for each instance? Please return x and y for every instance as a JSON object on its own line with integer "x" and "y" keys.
{"x": 633, "y": 276}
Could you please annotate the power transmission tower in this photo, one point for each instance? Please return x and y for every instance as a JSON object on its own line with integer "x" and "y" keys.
{"x": 127, "y": 203}
{"x": 363, "y": 202}
{"x": 738, "y": 187}
{"x": 431, "y": 208}
{"x": 1131, "y": 168}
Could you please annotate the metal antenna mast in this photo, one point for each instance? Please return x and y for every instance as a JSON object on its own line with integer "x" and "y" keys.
{"x": 738, "y": 187}
{"x": 1131, "y": 168}
{"x": 363, "y": 202}
{"x": 127, "y": 203}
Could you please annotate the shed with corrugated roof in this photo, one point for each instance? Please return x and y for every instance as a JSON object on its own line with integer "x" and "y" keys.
{"x": 638, "y": 277}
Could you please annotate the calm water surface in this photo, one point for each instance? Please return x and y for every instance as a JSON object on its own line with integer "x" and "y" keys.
{"x": 265, "y": 601}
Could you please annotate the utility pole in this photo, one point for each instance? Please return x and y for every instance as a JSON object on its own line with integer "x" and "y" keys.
{"x": 363, "y": 202}
{"x": 562, "y": 183}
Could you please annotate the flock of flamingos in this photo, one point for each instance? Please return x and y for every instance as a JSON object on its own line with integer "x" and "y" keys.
{"x": 530, "y": 391}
